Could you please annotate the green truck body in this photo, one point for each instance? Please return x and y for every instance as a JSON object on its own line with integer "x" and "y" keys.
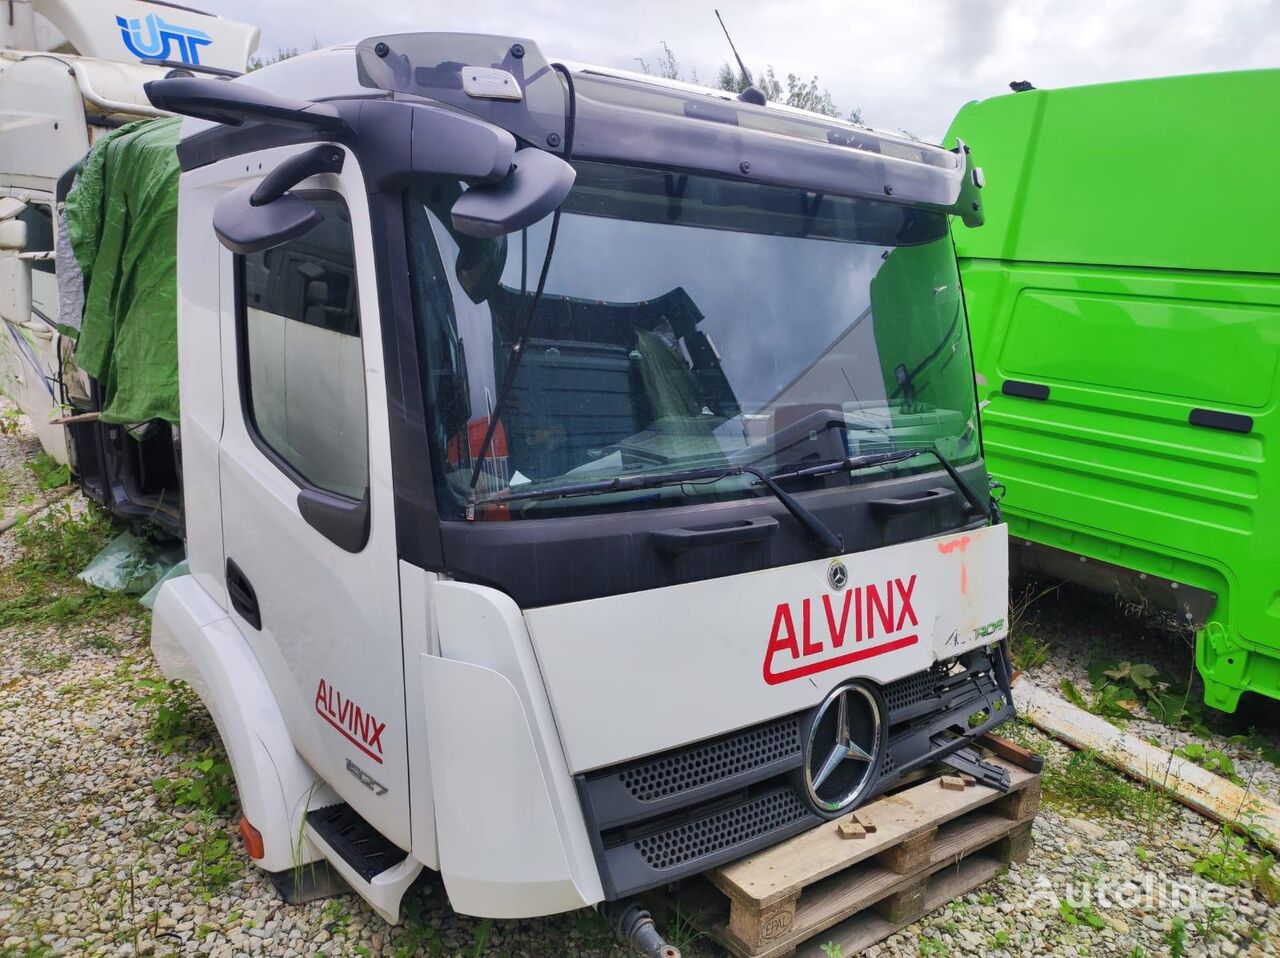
{"x": 1124, "y": 298}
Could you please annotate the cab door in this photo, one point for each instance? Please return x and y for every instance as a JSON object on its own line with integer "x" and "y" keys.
{"x": 304, "y": 464}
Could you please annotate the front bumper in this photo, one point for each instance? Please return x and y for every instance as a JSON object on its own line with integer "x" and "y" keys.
{"x": 681, "y": 812}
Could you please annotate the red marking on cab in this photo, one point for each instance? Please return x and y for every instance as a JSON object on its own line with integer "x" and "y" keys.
{"x": 791, "y": 655}
{"x": 357, "y": 726}
{"x": 946, "y": 548}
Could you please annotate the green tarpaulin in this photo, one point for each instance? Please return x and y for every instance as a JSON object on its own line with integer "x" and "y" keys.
{"x": 122, "y": 216}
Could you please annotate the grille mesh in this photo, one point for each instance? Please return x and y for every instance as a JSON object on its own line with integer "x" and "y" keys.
{"x": 908, "y": 691}
{"x": 725, "y": 829}
{"x": 712, "y": 762}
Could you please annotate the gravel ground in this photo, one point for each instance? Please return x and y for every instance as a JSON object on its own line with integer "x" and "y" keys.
{"x": 95, "y": 860}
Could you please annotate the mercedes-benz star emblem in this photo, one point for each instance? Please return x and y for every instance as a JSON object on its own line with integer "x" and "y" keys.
{"x": 844, "y": 742}
{"x": 837, "y": 575}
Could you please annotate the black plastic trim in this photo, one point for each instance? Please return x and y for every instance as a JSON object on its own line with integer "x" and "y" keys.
{"x": 244, "y": 600}
{"x": 934, "y": 498}
{"x": 612, "y": 553}
{"x": 1025, "y": 390}
{"x": 343, "y": 521}
{"x": 361, "y": 845}
{"x": 1226, "y": 421}
{"x": 732, "y": 533}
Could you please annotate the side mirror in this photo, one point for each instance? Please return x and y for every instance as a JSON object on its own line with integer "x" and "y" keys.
{"x": 537, "y": 184}
{"x": 13, "y": 235}
{"x": 244, "y": 228}
{"x": 258, "y": 216}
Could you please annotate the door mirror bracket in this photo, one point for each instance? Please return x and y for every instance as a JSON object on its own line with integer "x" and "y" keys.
{"x": 258, "y": 216}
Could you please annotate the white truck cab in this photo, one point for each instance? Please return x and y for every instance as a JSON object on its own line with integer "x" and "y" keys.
{"x": 582, "y": 476}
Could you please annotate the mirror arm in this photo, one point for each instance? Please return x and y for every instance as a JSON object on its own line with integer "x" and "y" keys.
{"x": 325, "y": 158}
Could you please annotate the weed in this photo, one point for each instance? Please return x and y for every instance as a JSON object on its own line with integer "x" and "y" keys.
{"x": 1081, "y": 915}
{"x": 1230, "y": 862}
{"x": 49, "y": 473}
{"x": 1210, "y": 758}
{"x": 930, "y": 946}
{"x": 176, "y": 719}
{"x": 213, "y": 868}
{"x": 103, "y": 643}
{"x": 1214, "y": 924}
{"x": 1029, "y": 653}
{"x": 415, "y": 938}
{"x": 480, "y": 938}
{"x": 10, "y": 423}
{"x": 1176, "y": 938}
{"x": 1085, "y": 784}
{"x": 1000, "y": 938}
{"x": 1108, "y": 701}
{"x": 41, "y": 588}
{"x": 44, "y": 660}
{"x": 336, "y": 918}
{"x": 207, "y": 788}
{"x": 682, "y": 934}
{"x": 831, "y": 949}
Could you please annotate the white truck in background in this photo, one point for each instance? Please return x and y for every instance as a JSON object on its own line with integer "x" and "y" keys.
{"x": 580, "y": 474}
{"x": 71, "y": 70}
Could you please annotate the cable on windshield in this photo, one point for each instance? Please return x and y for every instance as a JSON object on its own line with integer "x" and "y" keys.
{"x": 518, "y": 350}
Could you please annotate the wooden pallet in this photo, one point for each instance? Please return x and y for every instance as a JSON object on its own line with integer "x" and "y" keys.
{"x": 923, "y": 846}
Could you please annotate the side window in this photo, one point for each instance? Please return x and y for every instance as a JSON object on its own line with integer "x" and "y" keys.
{"x": 301, "y": 364}
{"x": 39, "y": 220}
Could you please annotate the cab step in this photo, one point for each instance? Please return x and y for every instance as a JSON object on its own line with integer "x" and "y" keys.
{"x": 376, "y": 869}
{"x": 361, "y": 845}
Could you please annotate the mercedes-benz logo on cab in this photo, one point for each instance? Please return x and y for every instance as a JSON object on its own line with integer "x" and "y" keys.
{"x": 837, "y": 575}
{"x": 842, "y": 750}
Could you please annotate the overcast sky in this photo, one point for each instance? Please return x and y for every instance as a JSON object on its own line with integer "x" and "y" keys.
{"x": 906, "y": 63}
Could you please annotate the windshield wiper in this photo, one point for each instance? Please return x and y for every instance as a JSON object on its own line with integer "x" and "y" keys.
{"x": 886, "y": 458}
{"x": 832, "y": 541}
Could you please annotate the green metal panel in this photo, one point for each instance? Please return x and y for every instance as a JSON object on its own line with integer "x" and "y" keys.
{"x": 1129, "y": 263}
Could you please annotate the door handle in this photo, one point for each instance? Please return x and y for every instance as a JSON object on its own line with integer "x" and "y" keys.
{"x": 934, "y": 498}
{"x": 243, "y": 599}
{"x": 729, "y": 533}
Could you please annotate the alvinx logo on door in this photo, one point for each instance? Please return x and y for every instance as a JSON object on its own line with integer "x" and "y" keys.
{"x": 357, "y": 726}
{"x": 832, "y": 630}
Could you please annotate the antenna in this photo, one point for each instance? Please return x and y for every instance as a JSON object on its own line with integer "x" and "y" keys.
{"x": 746, "y": 74}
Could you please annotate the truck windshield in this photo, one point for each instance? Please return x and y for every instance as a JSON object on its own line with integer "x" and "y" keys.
{"x": 688, "y": 321}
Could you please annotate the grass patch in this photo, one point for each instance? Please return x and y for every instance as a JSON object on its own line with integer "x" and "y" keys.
{"x": 40, "y": 586}
{"x": 1083, "y": 784}
{"x": 48, "y": 472}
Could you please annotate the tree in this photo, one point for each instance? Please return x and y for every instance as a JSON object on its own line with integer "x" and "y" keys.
{"x": 803, "y": 95}
{"x": 257, "y": 63}
{"x": 668, "y": 67}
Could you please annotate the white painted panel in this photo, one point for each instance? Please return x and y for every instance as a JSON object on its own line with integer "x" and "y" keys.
{"x": 633, "y": 674}
{"x": 501, "y": 853}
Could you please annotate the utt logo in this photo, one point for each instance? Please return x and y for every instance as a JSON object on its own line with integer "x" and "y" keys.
{"x": 859, "y": 615}
{"x": 153, "y": 39}
{"x": 359, "y": 727}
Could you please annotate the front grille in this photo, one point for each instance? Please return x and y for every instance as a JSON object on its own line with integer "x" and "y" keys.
{"x": 703, "y": 805}
{"x": 910, "y": 690}
{"x": 726, "y": 829}
{"x": 713, "y": 762}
